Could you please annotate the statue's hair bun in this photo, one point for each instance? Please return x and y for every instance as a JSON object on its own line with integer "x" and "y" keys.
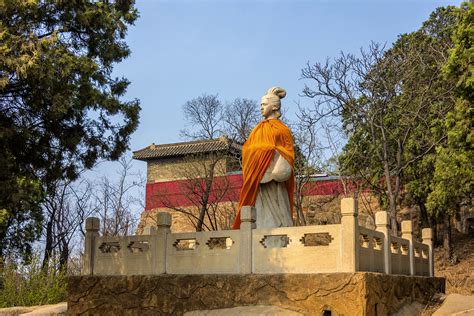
{"x": 279, "y": 92}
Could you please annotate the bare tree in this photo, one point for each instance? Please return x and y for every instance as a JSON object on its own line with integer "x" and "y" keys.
{"x": 307, "y": 152}
{"x": 204, "y": 115}
{"x": 205, "y": 188}
{"x": 334, "y": 143}
{"x": 318, "y": 141}
{"x": 66, "y": 206}
{"x": 115, "y": 200}
{"x": 205, "y": 185}
{"x": 240, "y": 117}
{"x": 369, "y": 93}
{"x": 68, "y": 203}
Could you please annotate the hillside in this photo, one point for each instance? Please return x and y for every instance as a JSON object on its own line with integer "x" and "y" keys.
{"x": 460, "y": 273}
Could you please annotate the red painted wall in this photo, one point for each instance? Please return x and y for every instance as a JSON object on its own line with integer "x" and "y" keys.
{"x": 179, "y": 193}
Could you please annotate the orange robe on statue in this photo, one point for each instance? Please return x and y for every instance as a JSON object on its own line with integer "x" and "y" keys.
{"x": 257, "y": 154}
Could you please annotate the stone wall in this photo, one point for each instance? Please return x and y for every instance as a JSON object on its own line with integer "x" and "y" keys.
{"x": 309, "y": 294}
{"x": 324, "y": 209}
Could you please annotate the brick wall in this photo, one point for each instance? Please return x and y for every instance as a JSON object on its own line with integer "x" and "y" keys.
{"x": 180, "y": 168}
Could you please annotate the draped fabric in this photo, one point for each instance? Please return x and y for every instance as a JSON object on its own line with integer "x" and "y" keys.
{"x": 257, "y": 154}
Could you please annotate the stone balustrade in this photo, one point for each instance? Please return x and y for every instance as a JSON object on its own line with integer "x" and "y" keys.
{"x": 344, "y": 247}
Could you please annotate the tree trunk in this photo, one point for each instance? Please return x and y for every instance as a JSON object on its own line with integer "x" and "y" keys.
{"x": 200, "y": 222}
{"x": 300, "y": 220}
{"x": 393, "y": 216}
{"x": 64, "y": 256}
{"x": 447, "y": 244}
{"x": 48, "y": 247}
{"x": 436, "y": 239}
{"x": 425, "y": 222}
{"x": 205, "y": 201}
{"x": 391, "y": 199}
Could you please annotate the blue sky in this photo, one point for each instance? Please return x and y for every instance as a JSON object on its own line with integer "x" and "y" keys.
{"x": 181, "y": 49}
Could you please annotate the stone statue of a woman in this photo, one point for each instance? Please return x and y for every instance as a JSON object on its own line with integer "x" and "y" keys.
{"x": 267, "y": 166}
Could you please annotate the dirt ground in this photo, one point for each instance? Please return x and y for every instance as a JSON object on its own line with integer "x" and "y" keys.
{"x": 459, "y": 273}
{"x": 46, "y": 310}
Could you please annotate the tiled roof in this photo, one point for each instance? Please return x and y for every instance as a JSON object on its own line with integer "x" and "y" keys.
{"x": 187, "y": 148}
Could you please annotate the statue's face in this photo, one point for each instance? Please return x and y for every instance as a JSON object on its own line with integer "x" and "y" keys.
{"x": 267, "y": 106}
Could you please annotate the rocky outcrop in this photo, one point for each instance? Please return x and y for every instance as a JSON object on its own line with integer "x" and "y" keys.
{"x": 308, "y": 294}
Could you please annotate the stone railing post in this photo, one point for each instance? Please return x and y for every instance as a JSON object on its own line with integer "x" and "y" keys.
{"x": 163, "y": 223}
{"x": 407, "y": 233}
{"x": 247, "y": 218}
{"x": 427, "y": 235}
{"x": 382, "y": 221}
{"x": 350, "y": 235}
{"x": 92, "y": 231}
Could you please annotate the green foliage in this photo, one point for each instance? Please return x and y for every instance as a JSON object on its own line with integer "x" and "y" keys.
{"x": 3, "y": 216}
{"x": 27, "y": 285}
{"x": 61, "y": 109}
{"x": 418, "y": 180}
{"x": 20, "y": 219}
{"x": 453, "y": 178}
{"x": 461, "y": 60}
{"x": 396, "y": 124}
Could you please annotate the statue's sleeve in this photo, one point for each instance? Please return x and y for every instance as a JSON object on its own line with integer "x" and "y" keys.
{"x": 279, "y": 169}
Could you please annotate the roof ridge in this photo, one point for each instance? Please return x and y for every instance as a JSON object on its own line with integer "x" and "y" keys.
{"x": 153, "y": 146}
{"x": 190, "y": 142}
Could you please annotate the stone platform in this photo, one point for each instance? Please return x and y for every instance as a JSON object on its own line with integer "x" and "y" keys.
{"x": 360, "y": 293}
